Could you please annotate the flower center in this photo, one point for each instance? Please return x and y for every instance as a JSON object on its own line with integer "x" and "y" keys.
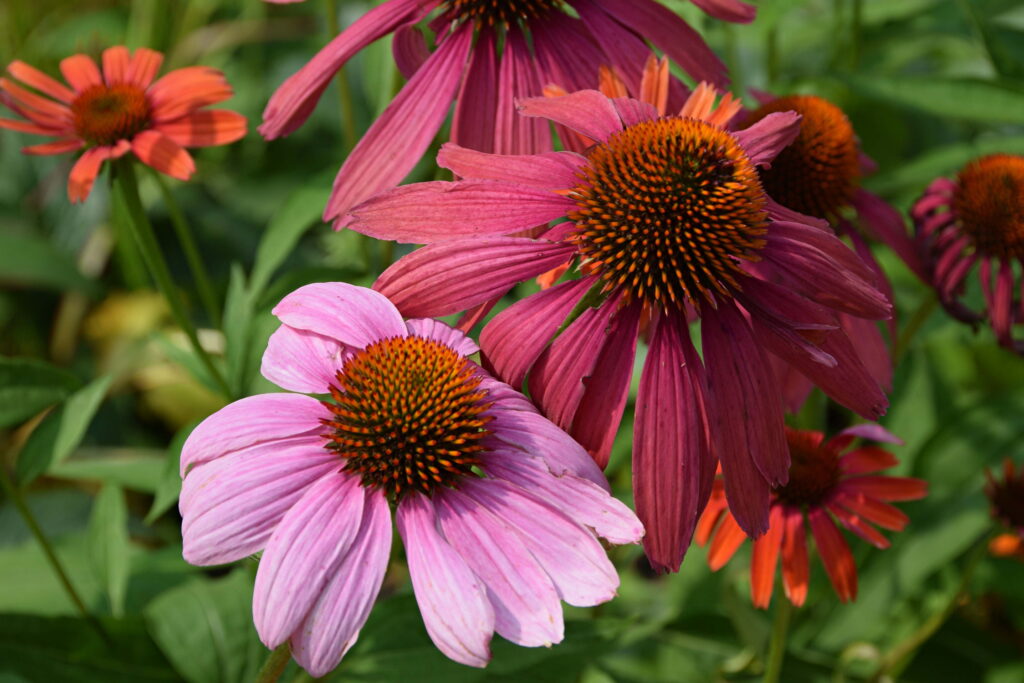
{"x": 813, "y": 469}
{"x": 989, "y": 201}
{"x": 819, "y": 172}
{"x": 667, "y": 210}
{"x": 105, "y": 114}
{"x": 492, "y": 12}
{"x": 408, "y": 416}
{"x": 1007, "y": 497}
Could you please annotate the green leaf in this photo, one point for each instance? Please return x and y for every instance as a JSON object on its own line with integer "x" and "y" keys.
{"x": 238, "y": 314}
{"x": 27, "y": 386}
{"x": 28, "y": 261}
{"x": 941, "y": 161}
{"x": 108, "y": 545}
{"x": 169, "y": 487}
{"x": 972, "y": 100}
{"x": 205, "y": 628}
{"x": 61, "y": 431}
{"x": 301, "y": 210}
{"x": 135, "y": 469}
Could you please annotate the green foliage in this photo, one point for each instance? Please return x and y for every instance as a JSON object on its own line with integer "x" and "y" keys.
{"x": 27, "y": 386}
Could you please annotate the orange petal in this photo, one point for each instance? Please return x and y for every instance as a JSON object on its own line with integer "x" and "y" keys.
{"x": 185, "y": 90}
{"x": 35, "y": 78}
{"x": 41, "y": 109}
{"x": 654, "y": 85}
{"x": 700, "y": 102}
{"x": 835, "y": 554}
{"x": 115, "y": 64}
{"x": 887, "y": 488}
{"x": 81, "y": 72}
{"x": 1006, "y": 545}
{"x": 84, "y": 172}
{"x": 165, "y": 155}
{"x": 205, "y": 128}
{"x": 610, "y": 84}
{"x": 709, "y": 518}
{"x": 765, "y": 559}
{"x": 547, "y": 280}
{"x": 727, "y": 541}
{"x": 795, "y": 570}
{"x": 55, "y": 147}
{"x": 27, "y": 127}
{"x": 144, "y": 66}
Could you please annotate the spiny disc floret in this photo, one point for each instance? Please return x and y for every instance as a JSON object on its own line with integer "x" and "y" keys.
{"x": 105, "y": 114}
{"x": 989, "y": 203}
{"x": 500, "y": 12}
{"x": 813, "y": 470}
{"x": 408, "y": 415}
{"x": 667, "y": 210}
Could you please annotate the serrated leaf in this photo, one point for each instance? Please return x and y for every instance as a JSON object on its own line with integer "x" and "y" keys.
{"x": 968, "y": 99}
{"x": 61, "y": 431}
{"x": 301, "y": 210}
{"x": 108, "y": 545}
{"x": 28, "y": 261}
{"x": 27, "y": 386}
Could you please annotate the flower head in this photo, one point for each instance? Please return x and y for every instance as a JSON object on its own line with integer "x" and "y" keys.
{"x": 121, "y": 110}
{"x": 489, "y": 53}
{"x": 499, "y": 510}
{"x": 977, "y": 218}
{"x": 827, "y": 482}
{"x": 665, "y": 220}
{"x": 1007, "y": 499}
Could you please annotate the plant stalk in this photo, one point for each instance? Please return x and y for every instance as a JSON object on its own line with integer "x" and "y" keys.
{"x": 777, "y": 646}
{"x": 275, "y": 664}
{"x": 348, "y": 124}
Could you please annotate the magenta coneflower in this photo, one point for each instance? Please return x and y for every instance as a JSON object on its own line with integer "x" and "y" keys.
{"x": 488, "y": 54}
{"x": 667, "y": 221}
{"x": 826, "y": 483}
{"x": 497, "y": 507}
{"x": 978, "y": 218}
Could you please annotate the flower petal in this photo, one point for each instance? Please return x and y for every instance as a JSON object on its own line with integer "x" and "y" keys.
{"x": 205, "y": 128}
{"x": 115, "y": 64}
{"x": 144, "y": 66}
{"x": 429, "y": 328}
{"x": 158, "y": 151}
{"x": 355, "y": 316}
{"x": 300, "y": 360}
{"x": 795, "y": 567}
{"x": 83, "y": 173}
{"x": 80, "y": 72}
{"x": 765, "y": 559}
{"x": 865, "y": 460}
{"x": 835, "y": 554}
{"x": 55, "y": 147}
{"x": 550, "y": 170}
{"x": 476, "y": 104}
{"x": 588, "y": 112}
{"x": 726, "y": 542}
{"x": 184, "y": 90}
{"x": 35, "y": 78}
{"x": 887, "y": 488}
{"x": 764, "y": 140}
{"x": 517, "y": 78}
{"x": 728, "y": 10}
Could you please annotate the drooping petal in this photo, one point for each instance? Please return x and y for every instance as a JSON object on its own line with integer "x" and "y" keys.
{"x": 81, "y": 72}
{"x": 355, "y": 316}
{"x": 550, "y": 170}
{"x": 624, "y": 51}
{"x": 765, "y": 558}
{"x": 40, "y": 110}
{"x": 517, "y": 78}
{"x": 334, "y": 621}
{"x": 588, "y": 112}
{"x": 83, "y": 173}
{"x": 764, "y": 140}
{"x": 452, "y": 600}
{"x": 37, "y": 79}
{"x": 886, "y": 488}
{"x": 410, "y": 49}
{"x": 726, "y": 542}
{"x": 158, "y": 151}
{"x": 835, "y": 554}
{"x": 728, "y": 10}
{"x": 477, "y": 102}
{"x": 443, "y": 333}
{"x": 875, "y": 511}
{"x": 886, "y": 224}
{"x": 55, "y": 147}
{"x": 184, "y": 90}
{"x": 795, "y": 567}
{"x": 28, "y": 127}
{"x": 304, "y": 553}
{"x": 205, "y": 128}
{"x": 858, "y": 526}
{"x": 300, "y": 360}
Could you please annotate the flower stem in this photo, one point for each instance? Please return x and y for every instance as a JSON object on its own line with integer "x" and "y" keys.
{"x": 51, "y": 556}
{"x": 128, "y": 189}
{"x": 188, "y": 245}
{"x": 275, "y": 663}
{"x": 348, "y": 124}
{"x": 921, "y": 315}
{"x": 777, "y": 646}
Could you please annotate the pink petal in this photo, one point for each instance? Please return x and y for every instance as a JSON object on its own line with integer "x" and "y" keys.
{"x": 158, "y": 151}
{"x": 448, "y": 277}
{"x": 633, "y": 111}
{"x": 355, "y": 316}
{"x": 477, "y": 102}
{"x": 886, "y": 224}
{"x": 333, "y": 623}
{"x": 251, "y": 421}
{"x": 517, "y": 78}
{"x": 231, "y": 506}
{"x": 624, "y": 51}
{"x": 443, "y": 333}
{"x": 437, "y": 211}
{"x": 304, "y": 553}
{"x": 452, "y": 600}
{"x": 764, "y": 140}
{"x": 849, "y": 382}
{"x": 728, "y": 10}
{"x": 672, "y": 464}
{"x": 868, "y": 430}
{"x": 398, "y": 138}
{"x": 300, "y": 360}
{"x": 410, "y": 49}
{"x": 551, "y": 170}
{"x": 587, "y": 112}
{"x": 570, "y": 555}
{"x": 526, "y": 607}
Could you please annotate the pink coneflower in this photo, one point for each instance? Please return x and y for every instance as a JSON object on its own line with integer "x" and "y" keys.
{"x": 121, "y": 110}
{"x": 978, "y": 218}
{"x": 667, "y": 221}
{"x": 827, "y": 482}
{"x": 497, "y": 507}
{"x": 488, "y": 54}
{"x": 1007, "y": 499}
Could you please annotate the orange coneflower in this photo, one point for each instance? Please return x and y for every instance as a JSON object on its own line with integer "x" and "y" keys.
{"x": 824, "y": 484}
{"x": 1007, "y": 498}
{"x": 120, "y": 109}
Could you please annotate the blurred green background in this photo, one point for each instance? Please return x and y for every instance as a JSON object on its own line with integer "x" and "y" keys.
{"x": 928, "y": 84}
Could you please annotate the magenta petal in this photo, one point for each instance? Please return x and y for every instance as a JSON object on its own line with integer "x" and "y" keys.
{"x": 514, "y": 339}
{"x": 517, "y": 78}
{"x": 633, "y": 111}
{"x": 251, "y": 421}
{"x": 764, "y": 140}
{"x": 429, "y": 328}
{"x": 293, "y": 102}
{"x": 624, "y": 51}
{"x": 452, "y": 600}
{"x": 231, "y": 506}
{"x": 571, "y": 69}
{"x": 355, "y": 316}
{"x": 550, "y": 170}
{"x": 477, "y": 102}
{"x": 448, "y": 277}
{"x": 570, "y": 555}
{"x": 728, "y": 10}
{"x": 868, "y": 430}
{"x": 849, "y": 382}
{"x": 886, "y": 224}
{"x": 745, "y": 411}
{"x": 304, "y": 554}
{"x": 401, "y": 134}
{"x": 300, "y": 360}
{"x": 410, "y": 50}
{"x": 333, "y": 623}
{"x": 588, "y": 112}
{"x": 672, "y": 467}
{"x": 526, "y": 606}
{"x": 439, "y": 211}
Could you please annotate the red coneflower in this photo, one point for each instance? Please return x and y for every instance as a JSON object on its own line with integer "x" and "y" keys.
{"x": 121, "y": 110}
{"x": 826, "y": 482}
{"x": 978, "y": 218}
{"x": 488, "y": 54}
{"x": 1007, "y": 498}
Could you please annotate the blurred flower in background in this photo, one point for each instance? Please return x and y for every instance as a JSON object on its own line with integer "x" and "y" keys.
{"x": 1007, "y": 499}
{"x": 826, "y": 482}
{"x": 121, "y": 110}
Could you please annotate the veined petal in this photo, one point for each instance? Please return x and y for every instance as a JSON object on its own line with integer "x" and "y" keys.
{"x": 587, "y": 112}
{"x": 300, "y": 360}
{"x": 164, "y": 154}
{"x": 517, "y": 78}
{"x": 443, "y": 333}
{"x": 355, "y": 316}
{"x": 835, "y": 554}
{"x": 728, "y": 10}
{"x": 477, "y": 102}
{"x": 726, "y": 542}
{"x": 550, "y": 170}
{"x": 37, "y": 79}
{"x": 184, "y": 90}
{"x": 205, "y": 128}
{"x": 795, "y": 567}
{"x": 764, "y": 140}
{"x": 144, "y": 66}
{"x": 765, "y": 559}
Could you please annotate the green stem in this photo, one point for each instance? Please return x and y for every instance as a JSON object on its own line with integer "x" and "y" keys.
{"x": 777, "y": 646}
{"x": 275, "y": 663}
{"x": 387, "y": 254}
{"x": 348, "y": 124}
{"x": 921, "y": 315}
{"x": 188, "y": 245}
{"x": 30, "y": 521}
{"x": 856, "y": 24}
{"x": 128, "y": 189}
